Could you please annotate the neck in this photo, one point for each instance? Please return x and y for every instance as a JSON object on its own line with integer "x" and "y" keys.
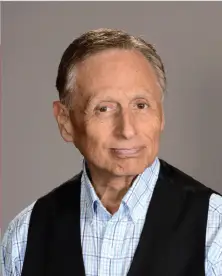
{"x": 110, "y": 189}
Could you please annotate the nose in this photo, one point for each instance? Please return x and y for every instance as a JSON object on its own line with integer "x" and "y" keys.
{"x": 126, "y": 124}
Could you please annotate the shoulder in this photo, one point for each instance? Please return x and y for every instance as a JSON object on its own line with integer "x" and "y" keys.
{"x": 14, "y": 242}
{"x": 214, "y": 236}
{"x": 18, "y": 226}
{"x": 58, "y": 199}
{"x": 181, "y": 179}
{"x": 214, "y": 224}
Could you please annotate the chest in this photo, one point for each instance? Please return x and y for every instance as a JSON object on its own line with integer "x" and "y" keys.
{"x": 108, "y": 245}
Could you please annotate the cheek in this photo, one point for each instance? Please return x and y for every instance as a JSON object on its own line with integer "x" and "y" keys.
{"x": 90, "y": 136}
{"x": 94, "y": 143}
{"x": 98, "y": 130}
{"x": 92, "y": 140}
{"x": 151, "y": 127}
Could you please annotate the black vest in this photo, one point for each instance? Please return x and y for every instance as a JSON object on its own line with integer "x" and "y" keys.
{"x": 172, "y": 241}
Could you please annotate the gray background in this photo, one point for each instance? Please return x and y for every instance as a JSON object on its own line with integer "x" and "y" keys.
{"x": 187, "y": 35}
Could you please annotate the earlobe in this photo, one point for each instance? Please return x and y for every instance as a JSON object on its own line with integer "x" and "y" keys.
{"x": 66, "y": 134}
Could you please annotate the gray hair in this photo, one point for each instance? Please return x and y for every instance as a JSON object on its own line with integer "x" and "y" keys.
{"x": 93, "y": 42}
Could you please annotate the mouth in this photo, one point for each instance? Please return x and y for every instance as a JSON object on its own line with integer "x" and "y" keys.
{"x": 127, "y": 152}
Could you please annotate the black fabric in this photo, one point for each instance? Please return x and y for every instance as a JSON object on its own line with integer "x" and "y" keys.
{"x": 172, "y": 241}
{"x": 54, "y": 245}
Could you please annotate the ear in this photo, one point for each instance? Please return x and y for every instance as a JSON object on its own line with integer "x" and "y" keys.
{"x": 62, "y": 117}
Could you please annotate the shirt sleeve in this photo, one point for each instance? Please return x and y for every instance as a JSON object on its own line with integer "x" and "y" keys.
{"x": 214, "y": 237}
{"x": 14, "y": 244}
{"x": 6, "y": 254}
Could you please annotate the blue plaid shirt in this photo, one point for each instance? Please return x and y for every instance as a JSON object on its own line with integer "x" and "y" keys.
{"x": 109, "y": 241}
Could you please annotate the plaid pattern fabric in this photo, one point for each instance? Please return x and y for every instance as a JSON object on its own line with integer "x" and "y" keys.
{"x": 109, "y": 242}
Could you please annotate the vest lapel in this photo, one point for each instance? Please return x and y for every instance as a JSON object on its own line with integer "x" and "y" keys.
{"x": 67, "y": 234}
{"x": 162, "y": 217}
{"x": 54, "y": 239}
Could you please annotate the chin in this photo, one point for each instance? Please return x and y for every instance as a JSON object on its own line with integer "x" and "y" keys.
{"x": 129, "y": 167}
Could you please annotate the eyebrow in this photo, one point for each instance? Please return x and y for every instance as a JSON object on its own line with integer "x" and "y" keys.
{"x": 92, "y": 99}
{"x": 141, "y": 95}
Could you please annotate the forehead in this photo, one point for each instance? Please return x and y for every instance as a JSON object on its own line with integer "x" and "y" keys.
{"x": 116, "y": 70}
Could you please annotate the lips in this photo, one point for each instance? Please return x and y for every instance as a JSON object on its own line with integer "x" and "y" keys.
{"x": 127, "y": 152}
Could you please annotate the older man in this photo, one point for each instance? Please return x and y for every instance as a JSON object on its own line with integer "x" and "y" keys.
{"x": 127, "y": 212}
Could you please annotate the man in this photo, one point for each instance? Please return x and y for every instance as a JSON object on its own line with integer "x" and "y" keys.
{"x": 127, "y": 212}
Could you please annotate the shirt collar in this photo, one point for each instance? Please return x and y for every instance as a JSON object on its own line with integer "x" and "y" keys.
{"x": 137, "y": 198}
{"x": 88, "y": 192}
{"x": 139, "y": 195}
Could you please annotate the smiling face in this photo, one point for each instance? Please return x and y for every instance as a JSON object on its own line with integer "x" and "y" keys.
{"x": 117, "y": 116}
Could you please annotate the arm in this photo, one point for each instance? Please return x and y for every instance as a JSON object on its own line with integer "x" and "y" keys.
{"x": 214, "y": 237}
{"x": 14, "y": 244}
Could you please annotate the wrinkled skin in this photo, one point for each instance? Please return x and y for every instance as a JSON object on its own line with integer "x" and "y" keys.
{"x": 117, "y": 116}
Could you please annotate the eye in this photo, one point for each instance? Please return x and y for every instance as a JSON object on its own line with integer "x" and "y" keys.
{"x": 103, "y": 109}
{"x": 141, "y": 105}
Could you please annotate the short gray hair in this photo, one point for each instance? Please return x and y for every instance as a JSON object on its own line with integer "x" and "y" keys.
{"x": 95, "y": 41}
